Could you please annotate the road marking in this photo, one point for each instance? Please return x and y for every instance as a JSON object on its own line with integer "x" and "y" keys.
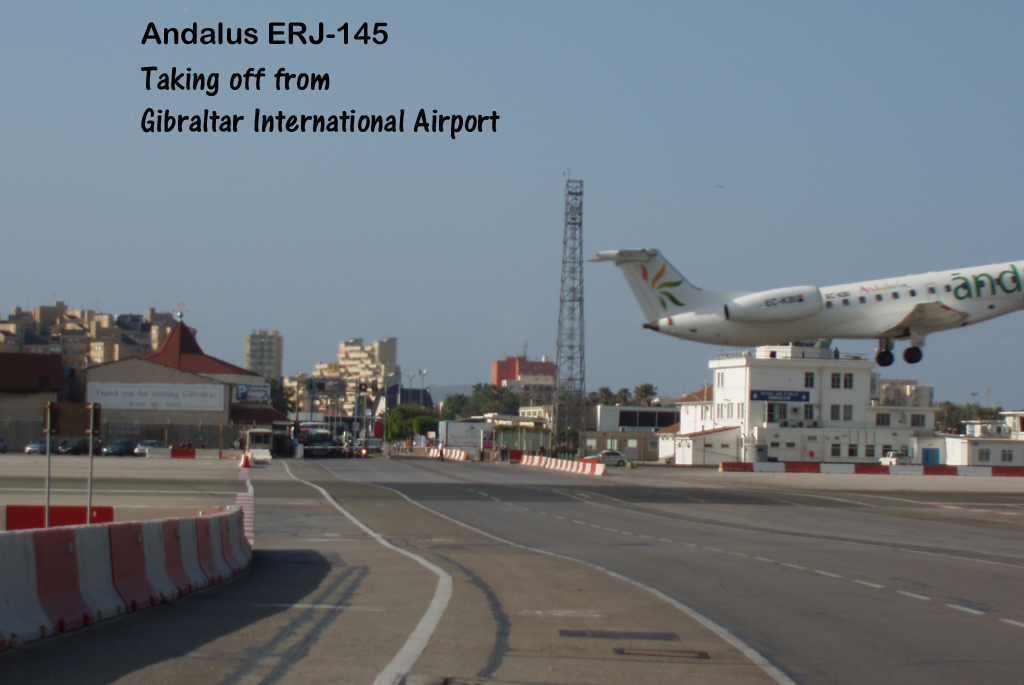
{"x": 614, "y": 530}
{"x": 826, "y": 573}
{"x": 770, "y": 561}
{"x": 417, "y": 641}
{"x": 625, "y": 532}
{"x": 755, "y": 656}
{"x": 582, "y": 523}
{"x": 800, "y": 568}
{"x": 558, "y": 517}
{"x": 874, "y": 585}
{"x": 912, "y": 594}
{"x": 738, "y": 554}
{"x": 1012, "y": 622}
{"x": 646, "y": 536}
{"x": 594, "y": 525}
{"x": 664, "y": 539}
{"x": 713, "y": 549}
{"x": 968, "y": 610}
{"x": 688, "y": 544}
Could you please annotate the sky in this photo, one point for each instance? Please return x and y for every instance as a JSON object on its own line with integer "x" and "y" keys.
{"x": 757, "y": 145}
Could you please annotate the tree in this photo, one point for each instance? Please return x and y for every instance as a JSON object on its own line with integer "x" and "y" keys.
{"x": 950, "y": 417}
{"x": 281, "y": 398}
{"x": 401, "y": 420}
{"x": 421, "y": 425}
{"x": 644, "y": 394}
{"x": 454, "y": 406}
{"x": 485, "y": 399}
{"x": 623, "y": 397}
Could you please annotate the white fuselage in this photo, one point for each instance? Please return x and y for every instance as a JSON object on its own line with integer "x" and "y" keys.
{"x": 869, "y": 309}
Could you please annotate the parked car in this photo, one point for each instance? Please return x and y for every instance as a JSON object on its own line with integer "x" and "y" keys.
{"x": 141, "y": 449}
{"x": 612, "y": 458}
{"x": 3, "y": 446}
{"x": 74, "y": 446}
{"x": 38, "y": 446}
{"x": 894, "y": 459}
{"x": 120, "y": 448}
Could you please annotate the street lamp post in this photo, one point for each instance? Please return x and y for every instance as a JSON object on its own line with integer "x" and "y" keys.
{"x": 423, "y": 384}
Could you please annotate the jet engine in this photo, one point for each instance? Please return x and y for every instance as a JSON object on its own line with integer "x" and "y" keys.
{"x": 781, "y": 304}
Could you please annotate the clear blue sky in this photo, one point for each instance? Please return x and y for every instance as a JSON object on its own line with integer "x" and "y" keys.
{"x": 850, "y": 141}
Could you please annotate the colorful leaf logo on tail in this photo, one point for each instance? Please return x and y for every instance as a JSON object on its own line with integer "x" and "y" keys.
{"x": 664, "y": 296}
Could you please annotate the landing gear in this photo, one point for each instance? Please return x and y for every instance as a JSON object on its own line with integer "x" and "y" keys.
{"x": 912, "y": 355}
{"x": 884, "y": 356}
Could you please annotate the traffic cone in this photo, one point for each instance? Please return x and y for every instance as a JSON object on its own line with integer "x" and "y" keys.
{"x": 245, "y": 461}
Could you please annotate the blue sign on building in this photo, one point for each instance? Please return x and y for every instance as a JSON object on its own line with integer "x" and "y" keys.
{"x": 780, "y": 395}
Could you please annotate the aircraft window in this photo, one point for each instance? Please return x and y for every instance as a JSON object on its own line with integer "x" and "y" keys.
{"x": 828, "y": 305}
{"x": 862, "y": 299}
{"x": 895, "y": 296}
{"x": 878, "y": 297}
{"x": 913, "y": 293}
{"x": 949, "y": 288}
{"x": 931, "y": 290}
{"x": 846, "y": 302}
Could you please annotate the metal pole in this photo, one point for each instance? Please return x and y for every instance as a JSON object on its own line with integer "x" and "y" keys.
{"x": 49, "y": 423}
{"x": 92, "y": 422}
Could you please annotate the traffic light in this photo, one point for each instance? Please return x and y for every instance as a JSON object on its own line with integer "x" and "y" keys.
{"x": 362, "y": 386}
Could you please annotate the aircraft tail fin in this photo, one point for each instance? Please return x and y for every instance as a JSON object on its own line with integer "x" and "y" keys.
{"x": 658, "y": 287}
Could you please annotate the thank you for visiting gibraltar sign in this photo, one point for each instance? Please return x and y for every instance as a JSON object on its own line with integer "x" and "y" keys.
{"x": 780, "y": 395}
{"x": 158, "y": 396}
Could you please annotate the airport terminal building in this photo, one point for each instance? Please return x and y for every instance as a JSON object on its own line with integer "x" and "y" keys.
{"x": 796, "y": 403}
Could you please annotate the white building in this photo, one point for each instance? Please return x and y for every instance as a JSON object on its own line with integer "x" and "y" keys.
{"x": 988, "y": 443}
{"x": 793, "y": 403}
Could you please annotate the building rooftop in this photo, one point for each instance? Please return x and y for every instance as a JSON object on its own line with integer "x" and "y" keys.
{"x": 179, "y": 350}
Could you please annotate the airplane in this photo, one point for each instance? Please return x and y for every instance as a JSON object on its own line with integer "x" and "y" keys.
{"x": 886, "y": 309}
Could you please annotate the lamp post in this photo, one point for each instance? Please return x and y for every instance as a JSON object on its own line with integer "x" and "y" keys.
{"x": 423, "y": 384}
{"x": 410, "y": 376}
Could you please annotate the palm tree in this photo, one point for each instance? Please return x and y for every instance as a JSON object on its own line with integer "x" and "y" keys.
{"x": 643, "y": 394}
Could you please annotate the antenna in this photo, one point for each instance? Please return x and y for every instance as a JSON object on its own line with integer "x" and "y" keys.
{"x": 570, "y": 407}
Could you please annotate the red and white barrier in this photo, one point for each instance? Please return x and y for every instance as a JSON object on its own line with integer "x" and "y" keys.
{"x": 870, "y": 469}
{"x": 58, "y": 579}
{"x": 192, "y": 453}
{"x": 452, "y": 454}
{"x": 587, "y": 468}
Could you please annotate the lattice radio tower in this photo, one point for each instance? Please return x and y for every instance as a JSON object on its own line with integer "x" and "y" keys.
{"x": 570, "y": 396}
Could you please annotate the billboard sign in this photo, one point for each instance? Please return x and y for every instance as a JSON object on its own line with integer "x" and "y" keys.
{"x": 252, "y": 392}
{"x": 158, "y": 396}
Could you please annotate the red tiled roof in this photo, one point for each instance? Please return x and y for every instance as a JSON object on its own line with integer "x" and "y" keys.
{"x": 24, "y": 372}
{"x": 705, "y": 395}
{"x": 179, "y": 350}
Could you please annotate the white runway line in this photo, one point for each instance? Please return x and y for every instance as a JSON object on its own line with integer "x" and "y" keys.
{"x": 826, "y": 573}
{"x": 968, "y": 610}
{"x": 871, "y": 585}
{"x": 914, "y": 595}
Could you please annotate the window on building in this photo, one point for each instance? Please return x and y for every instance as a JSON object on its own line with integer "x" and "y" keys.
{"x": 837, "y": 380}
{"x": 878, "y": 297}
{"x": 809, "y": 412}
{"x": 862, "y": 299}
{"x": 591, "y": 443}
{"x": 809, "y": 379}
{"x": 834, "y": 415}
{"x": 828, "y": 305}
{"x": 1007, "y": 455}
{"x": 652, "y": 445}
{"x": 984, "y": 454}
{"x": 851, "y": 451}
{"x": 742, "y": 411}
{"x": 847, "y": 412}
{"x": 848, "y": 381}
{"x": 631, "y": 443}
{"x": 949, "y": 288}
{"x": 720, "y": 410}
{"x": 837, "y": 449}
{"x": 846, "y": 302}
{"x": 724, "y": 446}
{"x": 773, "y": 444}
{"x": 790, "y": 445}
{"x": 869, "y": 450}
{"x": 812, "y": 438}
{"x": 728, "y": 412}
{"x": 931, "y": 290}
{"x": 895, "y": 296}
{"x": 917, "y": 420}
{"x": 776, "y": 412}
{"x": 886, "y": 449}
{"x": 881, "y": 419}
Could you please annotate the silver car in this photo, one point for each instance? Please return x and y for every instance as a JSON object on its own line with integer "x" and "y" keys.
{"x": 612, "y": 458}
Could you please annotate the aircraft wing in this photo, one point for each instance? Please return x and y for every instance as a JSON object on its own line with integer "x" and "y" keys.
{"x": 925, "y": 317}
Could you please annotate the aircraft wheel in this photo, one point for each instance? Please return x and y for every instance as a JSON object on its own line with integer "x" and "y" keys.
{"x": 884, "y": 358}
{"x": 912, "y": 355}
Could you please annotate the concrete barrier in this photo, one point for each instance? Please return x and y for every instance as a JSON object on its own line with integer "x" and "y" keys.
{"x": 450, "y": 453}
{"x": 58, "y": 579}
{"x": 22, "y": 618}
{"x": 128, "y": 565}
{"x": 871, "y": 469}
{"x": 587, "y": 468}
{"x": 27, "y": 516}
